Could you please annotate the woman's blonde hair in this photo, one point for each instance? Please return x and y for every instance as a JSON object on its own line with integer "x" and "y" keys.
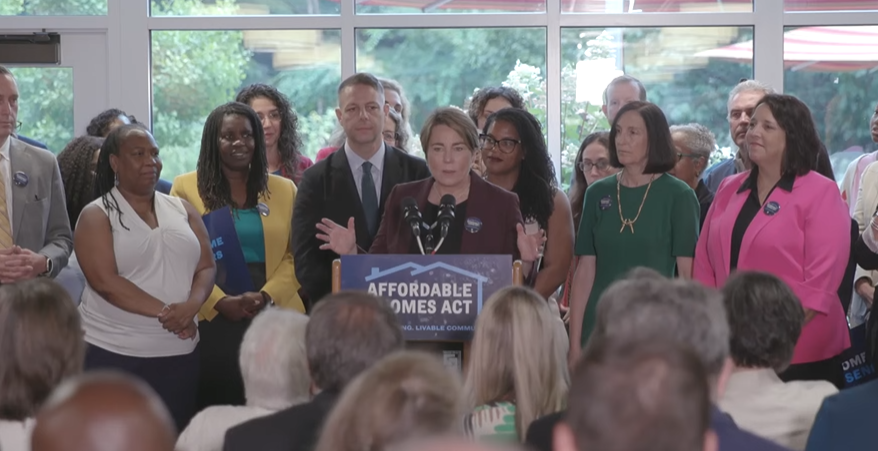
{"x": 514, "y": 358}
{"x": 406, "y": 395}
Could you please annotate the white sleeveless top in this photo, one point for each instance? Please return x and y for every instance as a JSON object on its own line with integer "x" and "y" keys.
{"x": 161, "y": 262}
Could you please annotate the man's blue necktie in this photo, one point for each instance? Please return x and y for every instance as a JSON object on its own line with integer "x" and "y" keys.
{"x": 370, "y": 199}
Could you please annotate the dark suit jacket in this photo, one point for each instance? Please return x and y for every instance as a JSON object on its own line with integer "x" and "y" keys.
{"x": 845, "y": 420}
{"x": 293, "y": 429}
{"x": 863, "y": 255}
{"x": 731, "y": 438}
{"x": 328, "y": 191}
{"x": 495, "y": 207}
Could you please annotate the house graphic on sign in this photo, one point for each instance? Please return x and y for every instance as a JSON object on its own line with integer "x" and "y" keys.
{"x": 417, "y": 269}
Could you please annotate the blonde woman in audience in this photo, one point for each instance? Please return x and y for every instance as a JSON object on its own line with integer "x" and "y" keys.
{"x": 40, "y": 346}
{"x": 765, "y": 320}
{"x": 512, "y": 380}
{"x": 405, "y": 396}
{"x": 274, "y": 366}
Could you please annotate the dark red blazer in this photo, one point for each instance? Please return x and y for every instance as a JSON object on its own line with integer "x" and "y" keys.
{"x": 496, "y": 208}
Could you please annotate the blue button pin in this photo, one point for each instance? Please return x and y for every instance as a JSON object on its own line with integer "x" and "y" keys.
{"x": 19, "y": 178}
{"x": 263, "y": 209}
{"x": 472, "y": 225}
{"x": 606, "y": 202}
{"x": 771, "y": 208}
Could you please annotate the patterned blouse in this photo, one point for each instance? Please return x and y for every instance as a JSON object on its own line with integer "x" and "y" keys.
{"x": 493, "y": 422}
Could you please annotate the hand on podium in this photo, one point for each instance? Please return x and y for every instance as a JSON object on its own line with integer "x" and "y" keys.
{"x": 341, "y": 240}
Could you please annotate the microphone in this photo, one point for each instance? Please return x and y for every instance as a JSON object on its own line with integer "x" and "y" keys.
{"x": 446, "y": 214}
{"x": 413, "y": 217}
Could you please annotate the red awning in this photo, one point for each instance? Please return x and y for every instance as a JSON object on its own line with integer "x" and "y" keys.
{"x": 819, "y": 49}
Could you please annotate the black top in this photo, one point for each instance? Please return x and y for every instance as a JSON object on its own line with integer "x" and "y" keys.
{"x": 705, "y": 198}
{"x": 750, "y": 209}
{"x": 453, "y": 240}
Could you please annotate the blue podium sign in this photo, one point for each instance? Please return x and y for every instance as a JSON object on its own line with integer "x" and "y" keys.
{"x": 436, "y": 297}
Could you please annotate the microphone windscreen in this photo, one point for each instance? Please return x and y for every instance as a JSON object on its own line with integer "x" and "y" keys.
{"x": 448, "y": 199}
{"x": 409, "y": 202}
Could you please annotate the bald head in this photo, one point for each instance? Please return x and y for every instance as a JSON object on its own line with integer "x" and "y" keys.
{"x": 103, "y": 412}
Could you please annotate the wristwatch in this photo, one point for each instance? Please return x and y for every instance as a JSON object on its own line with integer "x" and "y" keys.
{"x": 266, "y": 298}
{"x": 49, "y": 267}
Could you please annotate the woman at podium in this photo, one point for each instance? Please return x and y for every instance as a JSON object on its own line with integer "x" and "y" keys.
{"x": 452, "y": 212}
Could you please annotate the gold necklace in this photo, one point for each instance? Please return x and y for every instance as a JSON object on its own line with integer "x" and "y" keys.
{"x": 630, "y": 222}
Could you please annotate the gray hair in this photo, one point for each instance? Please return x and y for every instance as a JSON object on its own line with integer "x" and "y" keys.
{"x": 697, "y": 138}
{"x": 625, "y": 79}
{"x": 274, "y": 363}
{"x": 672, "y": 310}
{"x": 748, "y": 85}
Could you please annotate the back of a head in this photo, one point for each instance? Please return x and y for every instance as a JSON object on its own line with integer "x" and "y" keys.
{"x": 680, "y": 311}
{"x": 103, "y": 412}
{"x": 407, "y": 395}
{"x": 273, "y": 360}
{"x": 40, "y": 345}
{"x": 347, "y": 333}
{"x": 765, "y": 319}
{"x": 512, "y": 357}
{"x": 637, "y": 396}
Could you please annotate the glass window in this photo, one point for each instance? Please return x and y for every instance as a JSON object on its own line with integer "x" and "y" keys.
{"x": 193, "y": 72}
{"x": 832, "y": 69}
{"x": 442, "y": 67}
{"x": 53, "y": 8}
{"x": 672, "y": 63}
{"x": 657, "y": 6}
{"x": 45, "y": 108}
{"x": 830, "y": 5}
{"x": 242, "y": 8}
{"x": 448, "y": 6}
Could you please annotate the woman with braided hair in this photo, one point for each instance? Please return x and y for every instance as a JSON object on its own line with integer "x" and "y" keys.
{"x": 280, "y": 126}
{"x": 232, "y": 172}
{"x": 77, "y": 163}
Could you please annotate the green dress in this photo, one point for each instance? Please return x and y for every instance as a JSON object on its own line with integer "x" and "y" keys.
{"x": 666, "y": 229}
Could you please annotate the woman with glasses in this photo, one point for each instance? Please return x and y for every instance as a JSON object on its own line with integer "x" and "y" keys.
{"x": 280, "y": 125}
{"x": 693, "y": 143}
{"x": 516, "y": 159}
{"x": 639, "y": 217}
{"x": 487, "y": 219}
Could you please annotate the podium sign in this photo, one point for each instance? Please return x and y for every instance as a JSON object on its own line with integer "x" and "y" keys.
{"x": 436, "y": 297}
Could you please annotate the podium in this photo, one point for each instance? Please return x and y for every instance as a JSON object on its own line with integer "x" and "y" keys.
{"x": 437, "y": 298}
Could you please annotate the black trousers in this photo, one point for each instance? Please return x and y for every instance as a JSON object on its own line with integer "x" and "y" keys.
{"x": 174, "y": 379}
{"x": 220, "y": 382}
{"x": 822, "y": 370}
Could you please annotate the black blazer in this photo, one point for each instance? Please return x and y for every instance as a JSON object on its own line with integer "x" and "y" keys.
{"x": 328, "y": 191}
{"x": 496, "y": 208}
{"x": 293, "y": 429}
{"x": 863, "y": 255}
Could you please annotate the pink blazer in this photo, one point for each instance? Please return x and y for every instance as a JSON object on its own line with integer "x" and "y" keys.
{"x": 806, "y": 244}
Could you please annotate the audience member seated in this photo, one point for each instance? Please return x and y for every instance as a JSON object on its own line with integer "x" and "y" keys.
{"x": 283, "y": 145}
{"x": 101, "y": 126}
{"x": 694, "y": 143}
{"x": 637, "y": 396}
{"x": 41, "y": 345}
{"x": 517, "y": 371}
{"x": 765, "y": 319}
{"x": 232, "y": 175}
{"x": 647, "y": 307}
{"x": 517, "y": 159}
{"x": 104, "y": 412}
{"x": 148, "y": 268}
{"x": 35, "y": 237}
{"x": 404, "y": 396}
{"x": 846, "y": 421}
{"x": 370, "y": 332}
{"x": 274, "y": 367}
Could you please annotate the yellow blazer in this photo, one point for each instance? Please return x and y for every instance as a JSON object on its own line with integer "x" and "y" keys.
{"x": 280, "y": 274}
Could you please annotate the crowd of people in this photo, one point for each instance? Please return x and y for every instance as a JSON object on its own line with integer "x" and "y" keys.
{"x": 706, "y": 307}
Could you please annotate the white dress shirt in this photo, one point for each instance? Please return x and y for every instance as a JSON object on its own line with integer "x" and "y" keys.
{"x": 5, "y": 172}
{"x": 356, "y": 163}
{"x": 783, "y": 412}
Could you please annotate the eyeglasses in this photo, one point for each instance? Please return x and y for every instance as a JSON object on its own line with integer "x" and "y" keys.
{"x": 681, "y": 155}
{"x": 390, "y": 136}
{"x": 586, "y": 166}
{"x": 507, "y": 145}
{"x": 273, "y": 116}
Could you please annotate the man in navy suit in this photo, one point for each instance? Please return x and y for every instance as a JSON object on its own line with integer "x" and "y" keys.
{"x": 845, "y": 420}
{"x": 647, "y": 307}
